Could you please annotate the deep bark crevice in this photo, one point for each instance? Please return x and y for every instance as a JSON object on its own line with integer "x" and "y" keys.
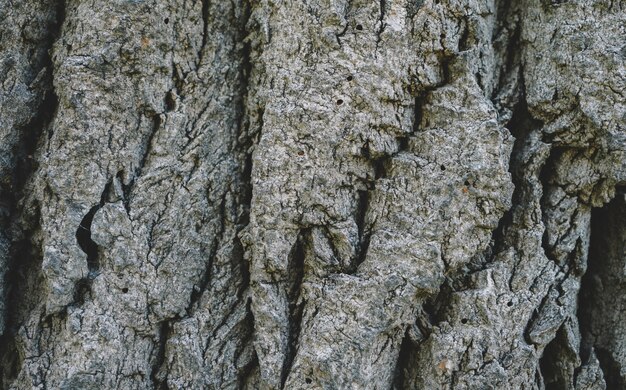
{"x": 552, "y": 362}
{"x": 24, "y": 281}
{"x": 363, "y": 230}
{"x": 545, "y": 178}
{"x": 602, "y": 290}
{"x": 246, "y": 343}
{"x": 407, "y": 349}
{"x": 507, "y": 13}
{"x": 381, "y": 20}
{"x": 91, "y": 249}
{"x": 610, "y": 369}
{"x": 205, "y": 31}
{"x": 295, "y": 277}
{"x": 158, "y": 376}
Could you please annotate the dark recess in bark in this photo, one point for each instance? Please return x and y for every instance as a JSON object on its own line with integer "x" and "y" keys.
{"x": 602, "y": 290}
{"x": 552, "y": 362}
{"x": 159, "y": 378}
{"x": 24, "y": 280}
{"x": 295, "y": 275}
{"x": 407, "y": 349}
{"x": 87, "y": 245}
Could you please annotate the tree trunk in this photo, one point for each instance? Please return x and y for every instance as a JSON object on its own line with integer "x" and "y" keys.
{"x": 345, "y": 194}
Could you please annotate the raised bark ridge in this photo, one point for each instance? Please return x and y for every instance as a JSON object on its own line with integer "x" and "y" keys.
{"x": 318, "y": 194}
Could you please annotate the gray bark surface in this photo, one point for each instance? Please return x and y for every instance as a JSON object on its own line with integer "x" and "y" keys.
{"x": 345, "y": 194}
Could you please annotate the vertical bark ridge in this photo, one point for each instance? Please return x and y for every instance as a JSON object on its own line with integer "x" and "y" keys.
{"x": 33, "y": 103}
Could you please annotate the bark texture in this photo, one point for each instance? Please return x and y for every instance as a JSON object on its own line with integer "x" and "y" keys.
{"x": 323, "y": 194}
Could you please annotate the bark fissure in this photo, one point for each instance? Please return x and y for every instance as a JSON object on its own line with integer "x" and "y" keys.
{"x": 363, "y": 230}
{"x": 159, "y": 377}
{"x": 90, "y": 248}
{"x": 407, "y": 349}
{"x": 602, "y": 290}
{"x": 295, "y": 276}
{"x": 381, "y": 21}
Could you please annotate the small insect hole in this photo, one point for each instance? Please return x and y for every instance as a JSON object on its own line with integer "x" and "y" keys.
{"x": 442, "y": 167}
{"x": 359, "y": 27}
{"x": 349, "y": 78}
{"x": 339, "y": 102}
{"x": 464, "y": 321}
{"x": 467, "y": 183}
{"x": 125, "y": 290}
{"x": 301, "y": 153}
{"x": 170, "y": 101}
{"x": 308, "y": 380}
{"x": 509, "y": 303}
{"x": 166, "y": 20}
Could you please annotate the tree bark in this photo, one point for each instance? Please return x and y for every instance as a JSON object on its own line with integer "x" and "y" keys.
{"x": 345, "y": 194}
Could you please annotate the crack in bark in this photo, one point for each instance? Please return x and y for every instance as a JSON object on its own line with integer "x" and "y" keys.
{"x": 364, "y": 232}
{"x": 407, "y": 349}
{"x": 601, "y": 291}
{"x": 413, "y": 7}
{"x": 381, "y": 20}
{"x": 295, "y": 276}
{"x": 379, "y": 166}
{"x": 158, "y": 377}
{"x": 91, "y": 249}
{"x": 205, "y": 31}
{"x": 520, "y": 125}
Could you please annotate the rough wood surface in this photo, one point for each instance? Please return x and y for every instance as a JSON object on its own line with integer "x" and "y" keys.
{"x": 345, "y": 194}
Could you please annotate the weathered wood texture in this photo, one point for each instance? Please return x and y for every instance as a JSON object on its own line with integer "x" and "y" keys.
{"x": 345, "y": 194}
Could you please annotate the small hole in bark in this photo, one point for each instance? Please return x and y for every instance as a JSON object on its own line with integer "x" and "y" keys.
{"x": 509, "y": 303}
{"x": 166, "y": 20}
{"x": 339, "y": 102}
{"x": 359, "y": 27}
{"x": 125, "y": 290}
{"x": 467, "y": 183}
{"x": 349, "y": 78}
{"x": 301, "y": 153}
{"x": 308, "y": 380}
{"x": 464, "y": 321}
{"x": 170, "y": 101}
{"x": 442, "y": 167}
